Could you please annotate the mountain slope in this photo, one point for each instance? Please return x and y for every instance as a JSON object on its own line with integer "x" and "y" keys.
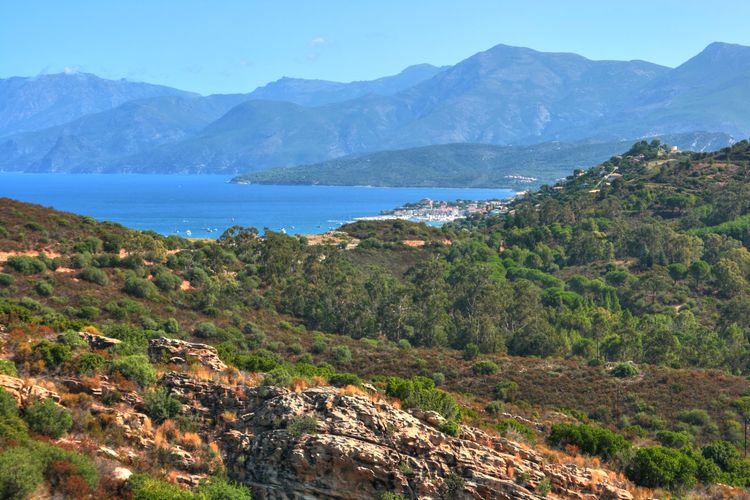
{"x": 43, "y": 101}
{"x": 92, "y": 142}
{"x": 507, "y": 95}
{"x": 711, "y": 91}
{"x": 319, "y": 92}
{"x": 464, "y": 165}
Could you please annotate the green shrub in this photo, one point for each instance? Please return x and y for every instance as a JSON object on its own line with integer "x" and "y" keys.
{"x": 139, "y": 287}
{"x": 89, "y": 244}
{"x": 161, "y": 405}
{"x": 471, "y": 351}
{"x": 7, "y": 368}
{"x": 135, "y": 367}
{"x": 167, "y": 281}
{"x": 20, "y": 473}
{"x": 318, "y": 346}
{"x": 484, "y": 367}
{"x": 6, "y": 279}
{"x": 438, "y": 378}
{"x": 344, "y": 379}
{"x": 341, "y": 355}
{"x": 508, "y": 424}
{"x": 296, "y": 348}
{"x": 544, "y": 487}
{"x": 696, "y": 417}
{"x": 25, "y": 264}
{"x": 53, "y": 354}
{"x": 206, "y": 330}
{"x": 450, "y": 427}
{"x": 72, "y": 340}
{"x": 89, "y": 362}
{"x": 94, "y": 275}
{"x": 659, "y": 467}
{"x": 420, "y": 392}
{"x": 722, "y": 453}
{"x": 404, "y": 344}
{"x": 495, "y": 407}
{"x": 48, "y": 418}
{"x": 506, "y": 390}
{"x": 590, "y": 439}
{"x": 625, "y": 370}
{"x": 12, "y": 427}
{"x": 672, "y": 439}
{"x": 144, "y": 487}
{"x": 44, "y": 288}
{"x": 60, "y": 465}
{"x": 300, "y": 425}
{"x": 279, "y": 377}
{"x": 216, "y": 488}
{"x": 112, "y": 242}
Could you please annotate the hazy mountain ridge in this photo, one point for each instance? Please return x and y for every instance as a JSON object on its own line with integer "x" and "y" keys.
{"x": 502, "y": 96}
{"x": 32, "y": 103}
{"x": 320, "y": 92}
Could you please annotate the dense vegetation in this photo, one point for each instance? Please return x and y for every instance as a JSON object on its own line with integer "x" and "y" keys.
{"x": 629, "y": 288}
{"x": 443, "y": 165}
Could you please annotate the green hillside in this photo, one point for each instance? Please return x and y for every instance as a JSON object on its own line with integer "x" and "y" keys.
{"x": 462, "y": 165}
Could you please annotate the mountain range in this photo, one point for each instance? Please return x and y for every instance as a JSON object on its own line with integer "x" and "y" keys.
{"x": 505, "y": 96}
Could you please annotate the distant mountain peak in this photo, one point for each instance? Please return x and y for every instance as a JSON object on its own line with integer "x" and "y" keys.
{"x": 722, "y": 53}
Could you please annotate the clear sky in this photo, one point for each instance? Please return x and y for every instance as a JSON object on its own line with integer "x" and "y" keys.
{"x": 237, "y": 45}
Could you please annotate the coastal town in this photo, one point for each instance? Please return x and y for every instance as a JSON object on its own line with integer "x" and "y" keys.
{"x": 435, "y": 211}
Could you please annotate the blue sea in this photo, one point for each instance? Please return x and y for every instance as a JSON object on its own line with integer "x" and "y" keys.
{"x": 208, "y": 204}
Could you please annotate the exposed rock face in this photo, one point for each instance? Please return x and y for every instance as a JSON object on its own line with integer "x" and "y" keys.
{"x": 163, "y": 350}
{"x": 362, "y": 448}
{"x": 25, "y": 392}
{"x": 99, "y": 341}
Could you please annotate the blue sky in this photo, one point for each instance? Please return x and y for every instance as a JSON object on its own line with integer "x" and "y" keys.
{"x": 235, "y": 46}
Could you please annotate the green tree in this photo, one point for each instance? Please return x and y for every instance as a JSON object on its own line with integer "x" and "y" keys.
{"x": 658, "y": 467}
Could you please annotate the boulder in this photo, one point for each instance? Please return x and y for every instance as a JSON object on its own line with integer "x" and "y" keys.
{"x": 121, "y": 474}
{"x": 164, "y": 350}
{"x": 99, "y": 341}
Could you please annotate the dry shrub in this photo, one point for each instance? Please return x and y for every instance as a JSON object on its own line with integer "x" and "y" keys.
{"x": 228, "y": 416}
{"x": 200, "y": 372}
{"x": 299, "y": 385}
{"x": 190, "y": 440}
{"x": 253, "y": 379}
{"x": 91, "y": 329}
{"x": 92, "y": 382}
{"x": 511, "y": 472}
{"x": 166, "y": 433}
{"x": 352, "y": 390}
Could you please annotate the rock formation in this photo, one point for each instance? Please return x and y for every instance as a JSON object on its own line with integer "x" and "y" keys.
{"x": 25, "y": 392}
{"x": 164, "y": 350}
{"x": 322, "y": 443}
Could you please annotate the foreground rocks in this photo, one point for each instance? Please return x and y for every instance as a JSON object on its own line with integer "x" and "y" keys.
{"x": 321, "y": 443}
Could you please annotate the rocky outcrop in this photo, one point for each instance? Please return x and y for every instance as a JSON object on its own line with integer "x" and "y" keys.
{"x": 164, "y": 350}
{"x": 25, "y": 392}
{"x": 99, "y": 341}
{"x": 321, "y": 443}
